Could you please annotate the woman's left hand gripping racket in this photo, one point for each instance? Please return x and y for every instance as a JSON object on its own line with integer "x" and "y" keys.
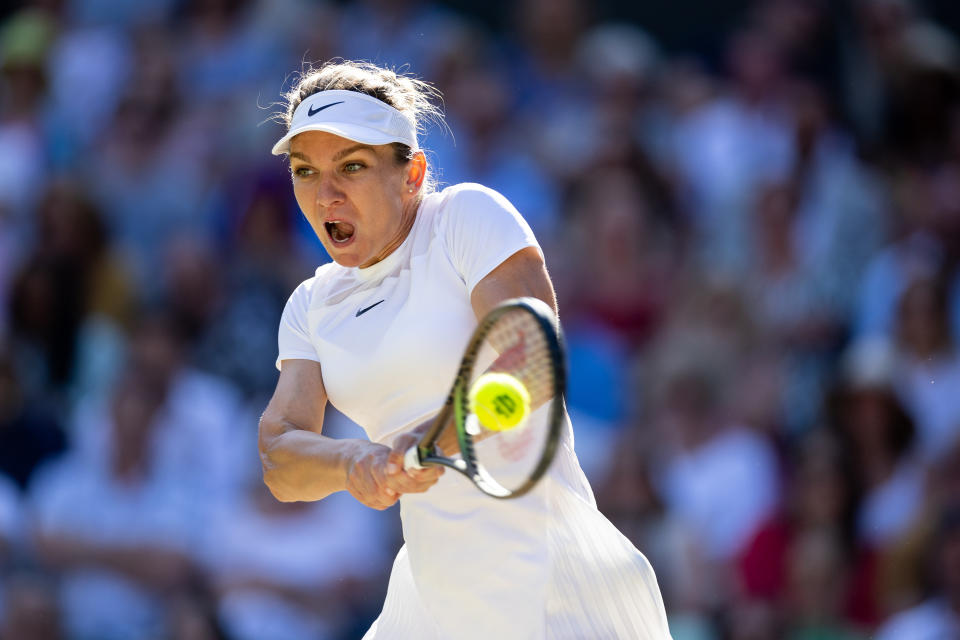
{"x": 520, "y": 338}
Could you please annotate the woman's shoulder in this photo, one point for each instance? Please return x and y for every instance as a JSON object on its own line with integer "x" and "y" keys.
{"x": 321, "y": 276}
{"x": 469, "y": 194}
{"x": 461, "y": 206}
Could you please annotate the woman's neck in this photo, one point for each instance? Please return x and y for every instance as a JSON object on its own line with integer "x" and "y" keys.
{"x": 406, "y": 223}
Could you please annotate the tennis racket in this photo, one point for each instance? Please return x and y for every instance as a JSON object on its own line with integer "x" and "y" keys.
{"x": 520, "y": 337}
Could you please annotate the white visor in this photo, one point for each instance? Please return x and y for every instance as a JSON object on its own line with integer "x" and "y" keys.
{"x": 352, "y": 115}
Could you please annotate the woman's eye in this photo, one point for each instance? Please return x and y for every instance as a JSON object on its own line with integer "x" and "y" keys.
{"x": 302, "y": 171}
{"x": 353, "y": 167}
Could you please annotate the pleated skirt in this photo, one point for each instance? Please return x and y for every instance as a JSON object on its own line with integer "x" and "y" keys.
{"x": 546, "y": 565}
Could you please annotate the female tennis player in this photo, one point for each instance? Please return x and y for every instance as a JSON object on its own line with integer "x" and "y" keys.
{"x": 379, "y": 333}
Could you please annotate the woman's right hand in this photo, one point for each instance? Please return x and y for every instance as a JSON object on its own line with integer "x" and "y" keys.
{"x": 376, "y": 477}
{"x": 367, "y": 477}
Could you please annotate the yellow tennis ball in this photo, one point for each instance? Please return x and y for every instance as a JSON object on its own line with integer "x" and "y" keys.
{"x": 500, "y": 401}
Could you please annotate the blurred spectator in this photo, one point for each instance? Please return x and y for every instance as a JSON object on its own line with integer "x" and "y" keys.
{"x": 25, "y": 40}
{"x": 620, "y": 63}
{"x": 818, "y": 579}
{"x": 88, "y": 67}
{"x": 224, "y": 53}
{"x": 294, "y": 588}
{"x": 71, "y": 230}
{"x": 391, "y": 32}
{"x": 820, "y": 500}
{"x": 929, "y": 366}
{"x": 552, "y": 104}
{"x": 70, "y": 291}
{"x": 721, "y": 479}
{"x": 119, "y": 529}
{"x": 877, "y": 438}
{"x": 925, "y": 246}
{"x": 625, "y": 286}
{"x": 150, "y": 145}
{"x": 191, "y": 285}
{"x": 201, "y": 426}
{"x": 801, "y": 562}
{"x": 841, "y": 218}
{"x": 788, "y": 297}
{"x": 724, "y": 148}
{"x": 46, "y": 313}
{"x": 791, "y": 305}
{"x": 900, "y": 77}
{"x": 546, "y": 35}
{"x": 905, "y": 571}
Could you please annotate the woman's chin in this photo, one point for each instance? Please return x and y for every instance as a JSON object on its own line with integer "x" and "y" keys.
{"x": 346, "y": 259}
{"x": 345, "y": 254}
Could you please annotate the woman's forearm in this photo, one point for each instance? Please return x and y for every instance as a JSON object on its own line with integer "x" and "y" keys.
{"x": 300, "y": 465}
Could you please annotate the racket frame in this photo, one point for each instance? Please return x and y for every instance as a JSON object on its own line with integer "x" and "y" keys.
{"x": 425, "y": 452}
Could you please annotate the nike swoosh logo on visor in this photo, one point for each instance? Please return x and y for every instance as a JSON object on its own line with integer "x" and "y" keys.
{"x": 313, "y": 112}
{"x": 363, "y": 311}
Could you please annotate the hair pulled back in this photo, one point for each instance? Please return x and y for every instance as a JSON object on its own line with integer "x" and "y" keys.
{"x": 415, "y": 99}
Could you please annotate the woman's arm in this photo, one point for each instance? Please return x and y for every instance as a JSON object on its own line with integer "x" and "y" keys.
{"x": 522, "y": 274}
{"x": 299, "y": 463}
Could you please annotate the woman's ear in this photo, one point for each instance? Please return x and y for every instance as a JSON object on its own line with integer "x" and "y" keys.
{"x": 416, "y": 172}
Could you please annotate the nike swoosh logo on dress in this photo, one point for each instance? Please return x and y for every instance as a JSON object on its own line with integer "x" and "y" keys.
{"x": 363, "y": 311}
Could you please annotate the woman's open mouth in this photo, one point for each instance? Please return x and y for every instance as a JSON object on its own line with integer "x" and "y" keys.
{"x": 341, "y": 233}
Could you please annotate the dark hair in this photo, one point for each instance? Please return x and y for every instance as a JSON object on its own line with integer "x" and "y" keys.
{"x": 415, "y": 99}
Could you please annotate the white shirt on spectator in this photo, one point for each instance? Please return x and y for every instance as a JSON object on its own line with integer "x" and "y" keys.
{"x": 888, "y": 510}
{"x": 76, "y": 499}
{"x": 930, "y": 620}
{"x": 928, "y": 388}
{"x": 724, "y": 489}
{"x": 281, "y": 548}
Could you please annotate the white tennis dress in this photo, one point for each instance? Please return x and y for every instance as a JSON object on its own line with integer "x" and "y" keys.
{"x": 389, "y": 339}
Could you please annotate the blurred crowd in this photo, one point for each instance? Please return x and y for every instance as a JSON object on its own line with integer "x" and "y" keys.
{"x": 756, "y": 247}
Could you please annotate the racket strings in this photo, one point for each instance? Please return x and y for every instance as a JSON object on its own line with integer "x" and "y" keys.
{"x": 510, "y": 457}
{"x": 523, "y": 353}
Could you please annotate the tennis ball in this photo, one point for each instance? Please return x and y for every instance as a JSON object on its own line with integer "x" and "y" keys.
{"x": 500, "y": 401}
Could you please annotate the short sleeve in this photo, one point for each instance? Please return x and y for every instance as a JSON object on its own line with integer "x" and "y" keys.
{"x": 294, "y": 336}
{"x": 481, "y": 229}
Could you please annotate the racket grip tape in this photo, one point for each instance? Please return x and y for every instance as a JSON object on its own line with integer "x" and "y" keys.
{"x": 411, "y": 459}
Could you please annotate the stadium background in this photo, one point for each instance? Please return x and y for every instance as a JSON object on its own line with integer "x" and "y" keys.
{"x": 751, "y": 211}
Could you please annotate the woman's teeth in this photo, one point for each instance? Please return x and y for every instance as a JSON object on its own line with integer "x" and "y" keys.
{"x": 339, "y": 231}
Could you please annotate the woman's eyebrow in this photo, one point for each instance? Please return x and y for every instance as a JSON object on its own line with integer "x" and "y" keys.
{"x": 345, "y": 152}
{"x": 297, "y": 154}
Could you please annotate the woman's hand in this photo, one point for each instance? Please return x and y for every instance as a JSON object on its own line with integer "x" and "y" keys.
{"x": 376, "y": 477}
{"x": 403, "y": 480}
{"x": 367, "y": 477}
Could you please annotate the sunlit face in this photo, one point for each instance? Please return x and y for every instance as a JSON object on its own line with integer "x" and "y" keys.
{"x": 357, "y": 198}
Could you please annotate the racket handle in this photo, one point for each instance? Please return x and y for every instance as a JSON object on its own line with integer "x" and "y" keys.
{"x": 411, "y": 459}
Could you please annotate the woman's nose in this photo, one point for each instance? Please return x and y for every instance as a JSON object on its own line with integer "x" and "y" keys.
{"x": 328, "y": 193}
